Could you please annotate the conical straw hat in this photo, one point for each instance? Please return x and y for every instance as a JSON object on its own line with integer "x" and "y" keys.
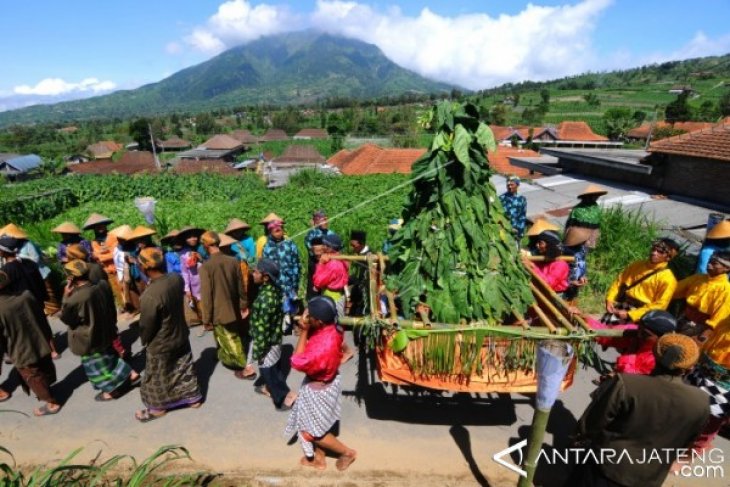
{"x": 721, "y": 230}
{"x": 96, "y": 219}
{"x": 185, "y": 231}
{"x": 122, "y": 231}
{"x": 236, "y": 224}
{"x": 12, "y": 230}
{"x": 271, "y": 217}
{"x": 141, "y": 232}
{"x": 540, "y": 225}
{"x": 226, "y": 240}
{"x": 593, "y": 189}
{"x": 170, "y": 235}
{"x": 67, "y": 227}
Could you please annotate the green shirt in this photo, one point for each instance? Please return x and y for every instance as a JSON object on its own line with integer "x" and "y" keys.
{"x": 585, "y": 215}
{"x": 266, "y": 318}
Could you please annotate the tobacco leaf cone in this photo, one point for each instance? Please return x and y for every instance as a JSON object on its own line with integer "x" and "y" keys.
{"x": 456, "y": 246}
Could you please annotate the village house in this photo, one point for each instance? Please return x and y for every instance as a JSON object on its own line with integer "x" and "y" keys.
{"x": 641, "y": 132}
{"x": 221, "y": 146}
{"x": 133, "y": 162}
{"x": 104, "y": 149}
{"x": 309, "y": 134}
{"x": 564, "y": 134}
{"x": 245, "y": 137}
{"x": 272, "y": 135}
{"x": 172, "y": 144}
{"x": 16, "y": 167}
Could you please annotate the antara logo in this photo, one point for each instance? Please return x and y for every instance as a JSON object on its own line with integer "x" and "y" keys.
{"x": 497, "y": 457}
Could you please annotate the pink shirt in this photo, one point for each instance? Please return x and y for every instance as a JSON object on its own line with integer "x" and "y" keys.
{"x": 555, "y": 273}
{"x": 322, "y": 354}
{"x": 332, "y": 275}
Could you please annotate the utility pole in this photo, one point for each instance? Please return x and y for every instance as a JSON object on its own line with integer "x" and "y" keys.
{"x": 154, "y": 149}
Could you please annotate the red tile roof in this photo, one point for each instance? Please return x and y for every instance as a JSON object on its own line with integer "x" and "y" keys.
{"x": 274, "y": 134}
{"x": 130, "y": 163}
{"x": 221, "y": 142}
{"x": 312, "y": 134}
{"x": 642, "y": 131}
{"x": 173, "y": 142}
{"x": 712, "y": 143}
{"x": 191, "y": 166}
{"x": 300, "y": 153}
{"x": 372, "y": 159}
{"x": 500, "y": 162}
{"x": 244, "y": 136}
{"x": 577, "y": 131}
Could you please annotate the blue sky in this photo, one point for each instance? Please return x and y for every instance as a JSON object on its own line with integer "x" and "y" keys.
{"x": 60, "y": 49}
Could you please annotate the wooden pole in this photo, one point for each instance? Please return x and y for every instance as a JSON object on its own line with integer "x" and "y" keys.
{"x": 544, "y": 318}
{"x": 532, "y": 258}
{"x": 551, "y": 307}
{"x": 557, "y": 299}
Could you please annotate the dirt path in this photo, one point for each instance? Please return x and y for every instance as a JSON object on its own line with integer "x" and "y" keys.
{"x": 419, "y": 439}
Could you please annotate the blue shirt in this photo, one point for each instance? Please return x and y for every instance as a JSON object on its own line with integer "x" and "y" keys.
{"x": 286, "y": 254}
{"x": 515, "y": 207}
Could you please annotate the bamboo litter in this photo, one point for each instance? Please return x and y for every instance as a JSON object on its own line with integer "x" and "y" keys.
{"x": 469, "y": 357}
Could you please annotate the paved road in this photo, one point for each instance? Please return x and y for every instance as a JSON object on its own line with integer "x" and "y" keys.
{"x": 425, "y": 440}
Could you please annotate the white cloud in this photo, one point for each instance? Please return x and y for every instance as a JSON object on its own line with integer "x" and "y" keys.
{"x": 57, "y": 86}
{"x": 474, "y": 50}
{"x": 701, "y": 46}
{"x": 173, "y": 48}
{"x": 237, "y": 22}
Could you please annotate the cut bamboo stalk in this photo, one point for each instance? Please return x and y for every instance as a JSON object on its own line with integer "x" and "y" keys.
{"x": 557, "y": 299}
{"x": 544, "y": 318}
{"x": 374, "y": 300}
{"x": 551, "y": 307}
{"x": 541, "y": 258}
{"x": 392, "y": 307}
{"x": 523, "y": 322}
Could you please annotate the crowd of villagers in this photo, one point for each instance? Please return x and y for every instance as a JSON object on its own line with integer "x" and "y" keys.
{"x": 243, "y": 292}
{"x": 246, "y": 293}
{"x": 651, "y": 398}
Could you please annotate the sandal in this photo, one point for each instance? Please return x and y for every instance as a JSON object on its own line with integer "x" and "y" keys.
{"x": 145, "y": 416}
{"x": 46, "y": 411}
{"x": 289, "y": 401}
{"x": 100, "y": 397}
{"x": 262, "y": 390}
{"x": 136, "y": 382}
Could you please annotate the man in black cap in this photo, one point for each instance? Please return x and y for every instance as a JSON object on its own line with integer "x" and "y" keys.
{"x": 644, "y": 285}
{"x": 359, "y": 275}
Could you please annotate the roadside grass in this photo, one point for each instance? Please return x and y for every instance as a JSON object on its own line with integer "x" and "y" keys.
{"x": 112, "y": 472}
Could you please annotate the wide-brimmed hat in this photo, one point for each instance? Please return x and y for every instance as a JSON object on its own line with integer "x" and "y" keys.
{"x": 593, "y": 190}
{"x": 187, "y": 231}
{"x": 225, "y": 240}
{"x": 236, "y": 224}
{"x": 676, "y": 352}
{"x": 171, "y": 235}
{"x": 9, "y": 244}
{"x": 67, "y": 227}
{"x": 141, "y": 232}
{"x": 121, "y": 232}
{"x": 721, "y": 230}
{"x": 576, "y": 236}
{"x": 96, "y": 219}
{"x": 271, "y": 217}
{"x": 540, "y": 225}
{"x": 12, "y": 230}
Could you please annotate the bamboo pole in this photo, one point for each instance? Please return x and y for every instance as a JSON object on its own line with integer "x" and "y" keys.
{"x": 544, "y": 318}
{"x": 392, "y": 307}
{"x": 551, "y": 307}
{"x": 512, "y": 330}
{"x": 533, "y": 258}
{"x": 372, "y": 270}
{"x": 557, "y": 299}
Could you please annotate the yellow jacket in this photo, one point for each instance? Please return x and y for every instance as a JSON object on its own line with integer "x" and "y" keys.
{"x": 708, "y": 295}
{"x": 718, "y": 346}
{"x": 654, "y": 292}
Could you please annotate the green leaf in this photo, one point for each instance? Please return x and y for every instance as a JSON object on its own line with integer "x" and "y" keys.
{"x": 462, "y": 139}
{"x": 485, "y": 137}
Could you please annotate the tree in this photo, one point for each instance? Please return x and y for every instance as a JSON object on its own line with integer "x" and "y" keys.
{"x": 139, "y": 130}
{"x": 618, "y": 121}
{"x": 724, "y": 105}
{"x": 532, "y": 116}
{"x": 708, "y": 112}
{"x": 498, "y": 114}
{"x": 454, "y": 251}
{"x": 205, "y": 124}
{"x": 639, "y": 116}
{"x": 592, "y": 99}
{"x": 678, "y": 110}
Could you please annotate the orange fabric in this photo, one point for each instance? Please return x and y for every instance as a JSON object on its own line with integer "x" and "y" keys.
{"x": 393, "y": 368}
{"x": 104, "y": 253}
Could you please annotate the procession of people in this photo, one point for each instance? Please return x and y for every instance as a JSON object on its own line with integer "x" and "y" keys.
{"x": 249, "y": 296}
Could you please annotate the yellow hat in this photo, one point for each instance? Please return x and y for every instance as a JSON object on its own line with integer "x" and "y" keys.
{"x": 12, "y": 230}
{"x": 141, "y": 232}
{"x": 540, "y": 225}
{"x": 67, "y": 227}
{"x": 96, "y": 219}
{"x": 210, "y": 238}
{"x": 76, "y": 251}
{"x": 721, "y": 230}
{"x": 76, "y": 268}
{"x": 226, "y": 241}
{"x": 122, "y": 232}
{"x": 593, "y": 189}
{"x": 236, "y": 224}
{"x": 271, "y": 217}
{"x": 152, "y": 258}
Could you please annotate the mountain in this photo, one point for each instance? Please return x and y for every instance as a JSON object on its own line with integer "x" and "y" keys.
{"x": 299, "y": 67}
